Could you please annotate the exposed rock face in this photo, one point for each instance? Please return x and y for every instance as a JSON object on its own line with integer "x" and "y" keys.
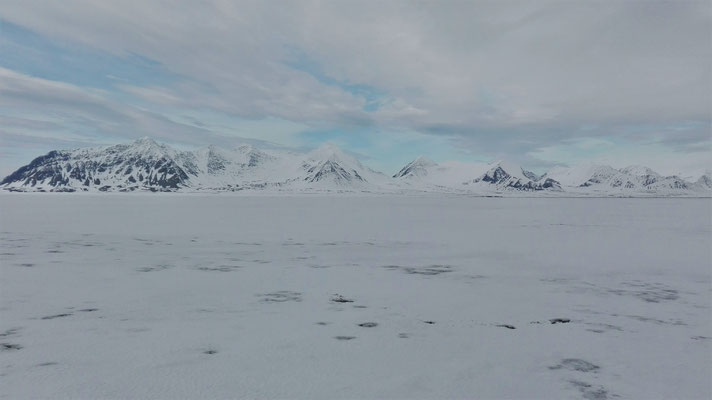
{"x": 148, "y": 166}
{"x": 504, "y": 176}
{"x": 331, "y": 170}
{"x": 141, "y": 165}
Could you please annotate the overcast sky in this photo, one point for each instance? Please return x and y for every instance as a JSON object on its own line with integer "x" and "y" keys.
{"x": 539, "y": 83}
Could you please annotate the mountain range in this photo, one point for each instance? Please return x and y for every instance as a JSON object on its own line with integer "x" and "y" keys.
{"x": 146, "y": 165}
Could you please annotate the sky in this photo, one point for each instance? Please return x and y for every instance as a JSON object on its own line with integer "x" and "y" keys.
{"x": 539, "y": 83}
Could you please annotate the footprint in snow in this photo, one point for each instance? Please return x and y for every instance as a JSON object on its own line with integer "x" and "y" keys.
{"x": 576, "y": 364}
{"x": 9, "y": 346}
{"x": 337, "y": 298}
{"x": 589, "y": 391}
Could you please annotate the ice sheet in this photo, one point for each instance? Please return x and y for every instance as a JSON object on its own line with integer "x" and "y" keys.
{"x": 199, "y": 296}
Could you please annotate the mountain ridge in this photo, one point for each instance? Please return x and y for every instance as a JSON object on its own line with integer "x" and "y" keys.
{"x": 146, "y": 165}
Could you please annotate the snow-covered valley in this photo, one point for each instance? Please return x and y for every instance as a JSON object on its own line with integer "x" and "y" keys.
{"x": 360, "y": 296}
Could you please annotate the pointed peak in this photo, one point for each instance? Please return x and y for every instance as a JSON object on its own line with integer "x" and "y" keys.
{"x": 422, "y": 160}
{"x": 507, "y": 166}
{"x": 416, "y": 168}
{"x": 148, "y": 146}
{"x": 513, "y": 170}
{"x": 638, "y": 170}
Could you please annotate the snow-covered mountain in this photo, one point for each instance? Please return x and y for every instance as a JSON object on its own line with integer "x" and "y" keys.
{"x": 235, "y": 169}
{"x": 603, "y": 179}
{"x": 145, "y": 165}
{"x": 329, "y": 167}
{"x": 494, "y": 177}
{"x": 651, "y": 180}
{"x": 417, "y": 168}
{"x": 705, "y": 181}
{"x": 422, "y": 174}
{"x": 506, "y": 176}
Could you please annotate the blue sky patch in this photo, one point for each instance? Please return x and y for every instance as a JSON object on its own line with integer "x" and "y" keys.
{"x": 33, "y": 54}
{"x": 374, "y": 97}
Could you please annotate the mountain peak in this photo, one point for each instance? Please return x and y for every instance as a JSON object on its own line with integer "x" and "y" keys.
{"x": 422, "y": 160}
{"x": 511, "y": 169}
{"x": 506, "y": 175}
{"x": 146, "y": 146}
{"x": 416, "y": 168}
{"x": 638, "y": 170}
{"x": 146, "y": 165}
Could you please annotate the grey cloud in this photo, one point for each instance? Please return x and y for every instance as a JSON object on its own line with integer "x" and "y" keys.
{"x": 9, "y": 122}
{"x": 91, "y": 117}
{"x": 488, "y": 74}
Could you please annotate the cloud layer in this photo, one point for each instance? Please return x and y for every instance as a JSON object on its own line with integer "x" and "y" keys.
{"x": 509, "y": 78}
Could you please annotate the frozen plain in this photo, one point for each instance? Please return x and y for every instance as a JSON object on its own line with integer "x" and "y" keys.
{"x": 222, "y": 296}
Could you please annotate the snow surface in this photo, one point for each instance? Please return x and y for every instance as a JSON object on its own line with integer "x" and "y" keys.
{"x": 206, "y": 296}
